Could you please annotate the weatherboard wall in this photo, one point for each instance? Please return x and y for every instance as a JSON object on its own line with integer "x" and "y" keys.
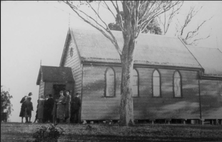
{"x": 211, "y": 99}
{"x": 167, "y": 106}
{"x": 41, "y": 88}
{"x": 72, "y": 60}
{"x": 95, "y": 106}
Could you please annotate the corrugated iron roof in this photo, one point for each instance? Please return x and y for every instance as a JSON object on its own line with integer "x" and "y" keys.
{"x": 150, "y": 49}
{"x": 55, "y": 74}
{"x": 209, "y": 58}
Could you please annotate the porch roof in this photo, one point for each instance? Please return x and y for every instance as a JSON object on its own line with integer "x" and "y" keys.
{"x": 55, "y": 74}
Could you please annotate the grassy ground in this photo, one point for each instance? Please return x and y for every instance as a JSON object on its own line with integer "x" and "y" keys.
{"x": 146, "y": 130}
{"x": 173, "y": 132}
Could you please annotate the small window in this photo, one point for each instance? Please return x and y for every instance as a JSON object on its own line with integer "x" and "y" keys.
{"x": 135, "y": 83}
{"x": 71, "y": 52}
{"x": 110, "y": 82}
{"x": 156, "y": 84}
{"x": 177, "y": 84}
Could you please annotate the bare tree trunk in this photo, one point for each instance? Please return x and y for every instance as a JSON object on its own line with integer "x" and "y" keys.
{"x": 129, "y": 36}
{"x": 126, "y": 106}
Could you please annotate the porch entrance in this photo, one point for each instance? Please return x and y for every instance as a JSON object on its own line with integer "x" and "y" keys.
{"x": 56, "y": 89}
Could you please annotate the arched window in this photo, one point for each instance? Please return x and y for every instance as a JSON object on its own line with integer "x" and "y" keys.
{"x": 135, "y": 83}
{"x": 156, "y": 84}
{"x": 110, "y": 82}
{"x": 177, "y": 84}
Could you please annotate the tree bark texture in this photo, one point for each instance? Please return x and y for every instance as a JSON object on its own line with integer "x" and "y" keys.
{"x": 127, "y": 60}
{"x": 126, "y": 105}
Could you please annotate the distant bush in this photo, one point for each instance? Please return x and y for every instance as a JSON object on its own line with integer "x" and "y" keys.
{"x": 6, "y": 106}
{"x": 48, "y": 134}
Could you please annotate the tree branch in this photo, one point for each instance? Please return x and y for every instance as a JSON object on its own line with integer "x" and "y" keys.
{"x": 189, "y": 17}
{"x": 168, "y": 20}
{"x": 156, "y": 12}
{"x": 119, "y": 16}
{"x": 112, "y": 38}
{"x": 195, "y": 40}
{"x": 191, "y": 34}
{"x": 98, "y": 15}
{"x": 110, "y": 10}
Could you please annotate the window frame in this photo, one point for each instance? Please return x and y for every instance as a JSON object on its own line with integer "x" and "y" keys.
{"x": 181, "y": 90}
{"x": 114, "y": 95}
{"x": 160, "y": 96}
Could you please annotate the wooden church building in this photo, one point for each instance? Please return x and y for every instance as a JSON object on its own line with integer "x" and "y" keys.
{"x": 170, "y": 80}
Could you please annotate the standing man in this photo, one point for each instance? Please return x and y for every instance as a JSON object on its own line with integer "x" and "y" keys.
{"x": 60, "y": 108}
{"x": 49, "y": 103}
{"x": 75, "y": 107}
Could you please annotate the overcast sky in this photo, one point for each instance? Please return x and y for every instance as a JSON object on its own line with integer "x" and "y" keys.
{"x": 34, "y": 31}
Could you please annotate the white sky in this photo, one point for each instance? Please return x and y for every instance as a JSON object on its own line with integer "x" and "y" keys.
{"x": 34, "y": 31}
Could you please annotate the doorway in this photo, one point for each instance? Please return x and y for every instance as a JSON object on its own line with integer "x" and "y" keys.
{"x": 56, "y": 89}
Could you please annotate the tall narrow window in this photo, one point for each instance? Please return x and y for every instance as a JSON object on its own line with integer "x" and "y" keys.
{"x": 110, "y": 82}
{"x": 156, "y": 84}
{"x": 177, "y": 84}
{"x": 135, "y": 83}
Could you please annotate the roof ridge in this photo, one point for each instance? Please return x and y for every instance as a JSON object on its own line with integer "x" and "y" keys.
{"x": 115, "y": 31}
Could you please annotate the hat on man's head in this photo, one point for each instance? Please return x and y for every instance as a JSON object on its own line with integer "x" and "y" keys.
{"x": 30, "y": 94}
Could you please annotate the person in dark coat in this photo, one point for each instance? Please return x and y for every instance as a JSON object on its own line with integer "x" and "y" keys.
{"x": 49, "y": 103}
{"x": 60, "y": 108}
{"x": 22, "y": 111}
{"x": 28, "y": 109}
{"x": 41, "y": 102}
{"x": 75, "y": 107}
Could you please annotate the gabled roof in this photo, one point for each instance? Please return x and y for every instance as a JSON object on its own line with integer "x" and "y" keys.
{"x": 150, "y": 49}
{"x": 209, "y": 58}
{"x": 55, "y": 74}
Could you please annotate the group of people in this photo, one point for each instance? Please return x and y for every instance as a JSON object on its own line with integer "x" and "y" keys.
{"x": 44, "y": 109}
{"x": 62, "y": 110}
